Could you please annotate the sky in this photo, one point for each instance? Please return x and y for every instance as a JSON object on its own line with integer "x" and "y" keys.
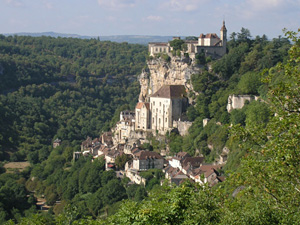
{"x": 149, "y": 17}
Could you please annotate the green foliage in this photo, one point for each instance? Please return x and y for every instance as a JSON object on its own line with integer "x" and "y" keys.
{"x": 249, "y": 83}
{"x": 181, "y": 205}
{"x": 257, "y": 113}
{"x": 177, "y": 44}
{"x": 62, "y": 88}
{"x": 121, "y": 161}
{"x": 36, "y": 60}
{"x": 166, "y": 57}
{"x": 175, "y": 142}
{"x": 14, "y": 198}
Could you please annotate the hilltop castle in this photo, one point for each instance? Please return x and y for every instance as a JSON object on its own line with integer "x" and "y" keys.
{"x": 210, "y": 44}
{"x": 163, "y": 100}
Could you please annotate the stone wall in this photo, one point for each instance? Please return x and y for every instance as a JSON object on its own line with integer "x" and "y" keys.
{"x": 238, "y": 101}
{"x": 182, "y": 126}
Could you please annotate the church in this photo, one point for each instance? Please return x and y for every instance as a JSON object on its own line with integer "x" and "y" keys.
{"x": 166, "y": 105}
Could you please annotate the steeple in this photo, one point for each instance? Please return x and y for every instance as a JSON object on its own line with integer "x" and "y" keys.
{"x": 223, "y": 28}
{"x": 223, "y": 33}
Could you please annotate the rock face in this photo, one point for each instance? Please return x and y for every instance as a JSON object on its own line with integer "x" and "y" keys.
{"x": 176, "y": 72}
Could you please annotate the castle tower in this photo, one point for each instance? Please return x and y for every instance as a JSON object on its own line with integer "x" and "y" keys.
{"x": 223, "y": 34}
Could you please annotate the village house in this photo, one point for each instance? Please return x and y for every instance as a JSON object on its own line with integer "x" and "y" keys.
{"x": 144, "y": 160}
{"x": 87, "y": 144}
{"x": 190, "y": 163}
{"x": 106, "y": 139}
{"x": 124, "y": 127}
{"x": 207, "y": 174}
{"x": 177, "y": 159}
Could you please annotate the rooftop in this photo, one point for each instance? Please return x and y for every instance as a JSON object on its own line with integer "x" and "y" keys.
{"x": 170, "y": 91}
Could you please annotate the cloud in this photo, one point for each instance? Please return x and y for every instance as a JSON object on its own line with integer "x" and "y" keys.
{"x": 15, "y": 3}
{"x": 117, "y": 4}
{"x": 154, "y": 18}
{"x": 183, "y": 5}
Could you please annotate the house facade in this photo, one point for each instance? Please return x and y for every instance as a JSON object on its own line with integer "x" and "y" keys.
{"x": 144, "y": 160}
{"x": 142, "y": 116}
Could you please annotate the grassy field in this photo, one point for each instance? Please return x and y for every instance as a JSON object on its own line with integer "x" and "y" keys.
{"x": 13, "y": 166}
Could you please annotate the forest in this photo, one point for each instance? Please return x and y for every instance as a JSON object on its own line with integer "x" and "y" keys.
{"x": 68, "y": 88}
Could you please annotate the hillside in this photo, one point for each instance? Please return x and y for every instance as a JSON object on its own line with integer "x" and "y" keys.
{"x": 70, "y": 88}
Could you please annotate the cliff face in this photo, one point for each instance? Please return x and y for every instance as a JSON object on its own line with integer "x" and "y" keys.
{"x": 175, "y": 72}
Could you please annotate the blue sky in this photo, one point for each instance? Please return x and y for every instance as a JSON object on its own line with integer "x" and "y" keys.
{"x": 149, "y": 17}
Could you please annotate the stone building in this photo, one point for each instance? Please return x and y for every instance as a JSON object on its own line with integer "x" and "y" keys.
{"x": 209, "y": 44}
{"x": 238, "y": 101}
{"x": 166, "y": 105}
{"x": 158, "y": 47}
{"x": 124, "y": 127}
{"x": 144, "y": 160}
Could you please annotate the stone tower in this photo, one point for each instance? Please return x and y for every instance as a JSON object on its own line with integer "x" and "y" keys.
{"x": 223, "y": 37}
{"x": 223, "y": 34}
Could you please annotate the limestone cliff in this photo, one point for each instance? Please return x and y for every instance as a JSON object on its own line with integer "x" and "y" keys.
{"x": 176, "y": 72}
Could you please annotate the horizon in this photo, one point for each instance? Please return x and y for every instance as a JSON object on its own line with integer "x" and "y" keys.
{"x": 143, "y": 18}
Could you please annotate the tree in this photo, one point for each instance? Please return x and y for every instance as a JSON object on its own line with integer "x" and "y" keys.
{"x": 121, "y": 160}
{"x": 270, "y": 173}
{"x": 249, "y": 83}
{"x": 176, "y": 44}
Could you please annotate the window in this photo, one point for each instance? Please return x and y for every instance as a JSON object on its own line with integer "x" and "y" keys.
{"x": 159, "y": 103}
{"x": 166, "y": 120}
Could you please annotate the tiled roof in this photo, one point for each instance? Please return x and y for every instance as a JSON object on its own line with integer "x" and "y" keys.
{"x": 107, "y": 137}
{"x": 143, "y": 155}
{"x": 87, "y": 142}
{"x": 182, "y": 155}
{"x": 140, "y": 105}
{"x": 210, "y": 35}
{"x": 135, "y": 150}
{"x": 158, "y": 43}
{"x": 193, "y": 161}
{"x": 170, "y": 91}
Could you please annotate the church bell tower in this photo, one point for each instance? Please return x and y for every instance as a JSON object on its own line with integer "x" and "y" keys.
{"x": 223, "y": 34}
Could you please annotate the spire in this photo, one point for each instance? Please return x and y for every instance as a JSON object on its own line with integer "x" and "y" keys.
{"x": 223, "y": 28}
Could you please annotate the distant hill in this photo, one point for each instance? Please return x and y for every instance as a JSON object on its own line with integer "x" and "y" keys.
{"x": 132, "y": 39}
